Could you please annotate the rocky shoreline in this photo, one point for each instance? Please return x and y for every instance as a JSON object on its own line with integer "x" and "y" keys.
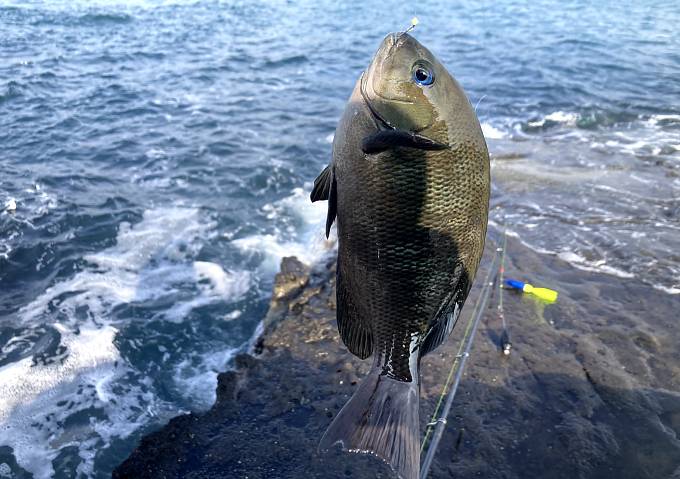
{"x": 589, "y": 391}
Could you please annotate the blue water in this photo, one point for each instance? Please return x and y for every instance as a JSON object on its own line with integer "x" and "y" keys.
{"x": 160, "y": 154}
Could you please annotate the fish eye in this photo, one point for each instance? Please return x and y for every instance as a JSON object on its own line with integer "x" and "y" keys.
{"x": 423, "y": 75}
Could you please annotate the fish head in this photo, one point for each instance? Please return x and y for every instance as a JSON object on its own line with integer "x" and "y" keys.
{"x": 407, "y": 88}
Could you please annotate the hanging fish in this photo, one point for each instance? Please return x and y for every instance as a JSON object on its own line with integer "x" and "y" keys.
{"x": 409, "y": 188}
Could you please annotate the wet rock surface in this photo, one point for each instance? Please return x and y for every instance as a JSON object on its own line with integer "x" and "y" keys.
{"x": 590, "y": 389}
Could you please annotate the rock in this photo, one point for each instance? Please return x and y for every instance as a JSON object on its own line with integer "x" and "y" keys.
{"x": 588, "y": 391}
{"x": 289, "y": 283}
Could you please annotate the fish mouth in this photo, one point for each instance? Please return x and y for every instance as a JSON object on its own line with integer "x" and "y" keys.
{"x": 391, "y": 44}
{"x": 381, "y": 88}
{"x": 380, "y": 121}
{"x": 377, "y": 116}
{"x": 383, "y": 125}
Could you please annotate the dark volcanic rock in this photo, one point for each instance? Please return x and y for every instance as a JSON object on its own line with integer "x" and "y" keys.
{"x": 586, "y": 393}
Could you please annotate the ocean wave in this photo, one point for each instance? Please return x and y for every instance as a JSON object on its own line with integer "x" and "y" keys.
{"x": 493, "y": 133}
{"x": 299, "y": 232}
{"x": 666, "y": 120}
{"x": 557, "y": 117}
{"x": 61, "y": 6}
{"x": 285, "y": 61}
{"x": 150, "y": 262}
{"x": 84, "y": 377}
{"x": 28, "y": 207}
{"x": 30, "y": 394}
{"x": 579, "y": 248}
{"x": 645, "y": 136}
{"x": 196, "y": 376}
{"x": 598, "y": 266}
{"x": 587, "y": 120}
{"x": 667, "y": 289}
{"x": 110, "y": 18}
{"x": 12, "y": 90}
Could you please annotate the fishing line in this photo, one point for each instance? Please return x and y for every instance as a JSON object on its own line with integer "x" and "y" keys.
{"x": 414, "y": 22}
{"x": 438, "y": 422}
{"x": 478, "y": 102}
{"x": 506, "y": 345}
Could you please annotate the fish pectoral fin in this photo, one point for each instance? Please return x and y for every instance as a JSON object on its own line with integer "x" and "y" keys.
{"x": 387, "y": 139}
{"x": 332, "y": 203}
{"x": 325, "y": 189}
{"x": 322, "y": 185}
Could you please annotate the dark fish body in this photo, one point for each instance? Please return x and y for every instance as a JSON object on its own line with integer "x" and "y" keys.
{"x": 409, "y": 188}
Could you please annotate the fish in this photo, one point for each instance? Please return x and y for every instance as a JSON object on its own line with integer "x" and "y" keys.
{"x": 408, "y": 189}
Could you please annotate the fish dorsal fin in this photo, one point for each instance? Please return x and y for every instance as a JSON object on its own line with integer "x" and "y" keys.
{"x": 332, "y": 204}
{"x": 322, "y": 185}
{"x": 387, "y": 139}
{"x": 325, "y": 189}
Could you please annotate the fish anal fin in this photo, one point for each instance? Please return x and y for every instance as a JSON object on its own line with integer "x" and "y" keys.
{"x": 447, "y": 318}
{"x": 440, "y": 331}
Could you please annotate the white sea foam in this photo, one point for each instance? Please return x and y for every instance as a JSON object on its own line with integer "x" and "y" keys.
{"x": 573, "y": 258}
{"x": 148, "y": 262}
{"x": 22, "y": 382}
{"x": 648, "y": 135}
{"x": 667, "y": 289}
{"x": 654, "y": 119}
{"x": 565, "y": 118}
{"x": 27, "y": 206}
{"x": 151, "y": 260}
{"x": 656, "y": 135}
{"x": 11, "y": 205}
{"x": 30, "y": 204}
{"x": 213, "y": 283}
{"x": 492, "y": 133}
{"x": 578, "y": 261}
{"x": 300, "y": 233}
{"x": 29, "y": 414}
{"x": 156, "y": 153}
{"x": 196, "y": 377}
{"x": 568, "y": 118}
{"x": 599, "y": 266}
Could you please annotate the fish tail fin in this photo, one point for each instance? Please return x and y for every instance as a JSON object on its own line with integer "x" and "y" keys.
{"x": 381, "y": 418}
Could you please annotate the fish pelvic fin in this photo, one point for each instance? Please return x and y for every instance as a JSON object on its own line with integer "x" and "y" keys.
{"x": 382, "y": 419}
